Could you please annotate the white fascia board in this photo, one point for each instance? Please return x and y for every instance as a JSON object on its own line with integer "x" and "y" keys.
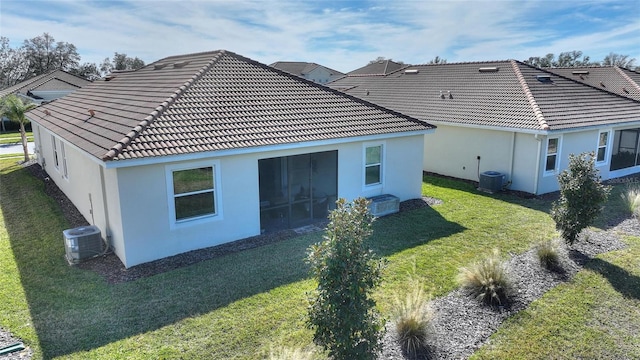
{"x": 258, "y": 149}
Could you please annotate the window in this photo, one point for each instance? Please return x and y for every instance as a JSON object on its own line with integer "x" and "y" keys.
{"x": 63, "y": 153}
{"x": 373, "y": 165}
{"x": 193, "y": 192}
{"x": 55, "y": 152}
{"x": 552, "y": 155}
{"x": 603, "y": 139}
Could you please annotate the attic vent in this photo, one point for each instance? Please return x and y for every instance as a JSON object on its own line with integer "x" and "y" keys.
{"x": 489, "y": 69}
{"x": 159, "y": 66}
{"x": 180, "y": 64}
{"x": 411, "y": 71}
{"x": 623, "y": 89}
{"x": 602, "y": 84}
{"x": 109, "y": 77}
{"x": 580, "y": 72}
{"x": 544, "y": 78}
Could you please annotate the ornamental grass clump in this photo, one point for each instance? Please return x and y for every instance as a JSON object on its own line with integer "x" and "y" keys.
{"x": 631, "y": 199}
{"x": 412, "y": 317}
{"x": 487, "y": 280}
{"x": 548, "y": 256}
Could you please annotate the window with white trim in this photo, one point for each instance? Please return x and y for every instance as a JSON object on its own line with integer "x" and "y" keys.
{"x": 373, "y": 165}
{"x": 603, "y": 140}
{"x": 193, "y": 192}
{"x": 551, "y": 163}
{"x": 63, "y": 154}
{"x": 54, "y": 146}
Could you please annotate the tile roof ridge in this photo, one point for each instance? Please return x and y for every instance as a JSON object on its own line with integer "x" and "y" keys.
{"x": 464, "y": 63}
{"x": 627, "y": 78}
{"x": 53, "y": 78}
{"x": 135, "y": 132}
{"x": 529, "y": 95}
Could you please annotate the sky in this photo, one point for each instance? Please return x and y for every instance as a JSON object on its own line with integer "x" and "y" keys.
{"x": 342, "y": 35}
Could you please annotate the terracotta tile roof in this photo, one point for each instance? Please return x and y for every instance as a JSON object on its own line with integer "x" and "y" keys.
{"x": 206, "y": 102}
{"x": 300, "y": 68}
{"x": 505, "y": 94}
{"x": 614, "y": 79}
{"x": 53, "y": 80}
{"x": 382, "y": 67}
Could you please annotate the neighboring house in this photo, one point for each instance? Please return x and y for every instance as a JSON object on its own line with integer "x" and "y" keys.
{"x": 202, "y": 149}
{"x": 614, "y": 79}
{"x": 46, "y": 87}
{"x": 379, "y": 67}
{"x": 310, "y": 71}
{"x": 509, "y": 117}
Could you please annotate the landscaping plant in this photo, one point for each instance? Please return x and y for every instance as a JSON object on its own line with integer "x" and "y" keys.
{"x": 582, "y": 195}
{"x": 487, "y": 280}
{"x": 412, "y": 316}
{"x": 631, "y": 199}
{"x": 547, "y": 252}
{"x": 342, "y": 312}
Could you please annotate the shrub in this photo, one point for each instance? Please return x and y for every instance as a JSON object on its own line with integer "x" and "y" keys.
{"x": 291, "y": 354}
{"x": 581, "y": 196}
{"x": 631, "y": 200}
{"x": 487, "y": 280}
{"x": 412, "y": 316}
{"x": 342, "y": 312}
{"x": 548, "y": 255}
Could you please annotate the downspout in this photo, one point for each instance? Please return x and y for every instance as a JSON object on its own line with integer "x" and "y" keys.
{"x": 107, "y": 233}
{"x": 513, "y": 150}
{"x": 537, "y": 170}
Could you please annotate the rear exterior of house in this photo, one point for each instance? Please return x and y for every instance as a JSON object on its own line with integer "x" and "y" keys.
{"x": 510, "y": 118}
{"x": 237, "y": 150}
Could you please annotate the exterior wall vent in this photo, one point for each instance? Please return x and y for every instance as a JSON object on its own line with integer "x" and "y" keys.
{"x": 489, "y": 69}
{"x": 384, "y": 205}
{"x": 491, "y": 181}
{"x": 82, "y": 243}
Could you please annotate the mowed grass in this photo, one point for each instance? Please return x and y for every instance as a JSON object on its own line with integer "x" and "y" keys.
{"x": 240, "y": 306}
{"x": 13, "y": 137}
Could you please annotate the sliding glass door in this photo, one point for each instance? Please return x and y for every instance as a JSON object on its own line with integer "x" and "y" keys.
{"x": 625, "y": 149}
{"x": 297, "y": 190}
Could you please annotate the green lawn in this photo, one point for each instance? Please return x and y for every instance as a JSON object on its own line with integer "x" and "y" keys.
{"x": 13, "y": 137}
{"x": 241, "y": 306}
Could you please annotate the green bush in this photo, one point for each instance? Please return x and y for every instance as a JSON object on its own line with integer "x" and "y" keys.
{"x": 631, "y": 199}
{"x": 581, "y": 196}
{"x": 412, "y": 317}
{"x": 487, "y": 280}
{"x": 342, "y": 312}
{"x": 547, "y": 252}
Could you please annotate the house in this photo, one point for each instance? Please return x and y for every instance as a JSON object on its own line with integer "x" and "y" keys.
{"x": 614, "y": 79}
{"x": 378, "y": 67}
{"x": 197, "y": 150}
{"x": 310, "y": 71}
{"x": 509, "y": 118}
{"x": 46, "y": 87}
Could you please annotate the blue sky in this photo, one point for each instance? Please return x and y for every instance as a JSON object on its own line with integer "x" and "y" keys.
{"x": 343, "y": 35}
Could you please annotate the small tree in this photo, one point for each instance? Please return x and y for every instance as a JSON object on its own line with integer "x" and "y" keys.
{"x": 14, "y": 109}
{"x": 341, "y": 310}
{"x": 581, "y": 196}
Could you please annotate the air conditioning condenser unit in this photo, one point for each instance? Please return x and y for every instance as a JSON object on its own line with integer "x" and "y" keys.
{"x": 384, "y": 205}
{"x": 82, "y": 243}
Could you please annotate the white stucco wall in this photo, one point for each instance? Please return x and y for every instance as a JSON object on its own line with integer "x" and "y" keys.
{"x": 147, "y": 231}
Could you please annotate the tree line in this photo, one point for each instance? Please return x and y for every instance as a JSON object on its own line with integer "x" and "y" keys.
{"x": 43, "y": 54}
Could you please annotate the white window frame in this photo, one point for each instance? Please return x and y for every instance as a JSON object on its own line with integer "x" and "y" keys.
{"x": 606, "y": 147}
{"x": 63, "y": 153}
{"x": 217, "y": 193}
{"x": 557, "y": 154}
{"x": 381, "y": 164}
{"x": 56, "y": 158}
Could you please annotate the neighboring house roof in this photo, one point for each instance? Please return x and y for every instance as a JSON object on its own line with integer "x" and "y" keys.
{"x": 300, "y": 68}
{"x": 206, "y": 102}
{"x": 51, "y": 81}
{"x": 505, "y": 94}
{"x": 614, "y": 79}
{"x": 381, "y": 67}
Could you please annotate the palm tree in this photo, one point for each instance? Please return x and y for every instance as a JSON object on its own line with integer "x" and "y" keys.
{"x": 14, "y": 109}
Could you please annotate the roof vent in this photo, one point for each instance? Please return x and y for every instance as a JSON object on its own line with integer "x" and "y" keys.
{"x": 159, "y": 66}
{"x": 180, "y": 64}
{"x": 580, "y": 72}
{"x": 544, "y": 78}
{"x": 109, "y": 77}
{"x": 602, "y": 84}
{"x": 489, "y": 69}
{"x": 625, "y": 90}
{"x": 411, "y": 71}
